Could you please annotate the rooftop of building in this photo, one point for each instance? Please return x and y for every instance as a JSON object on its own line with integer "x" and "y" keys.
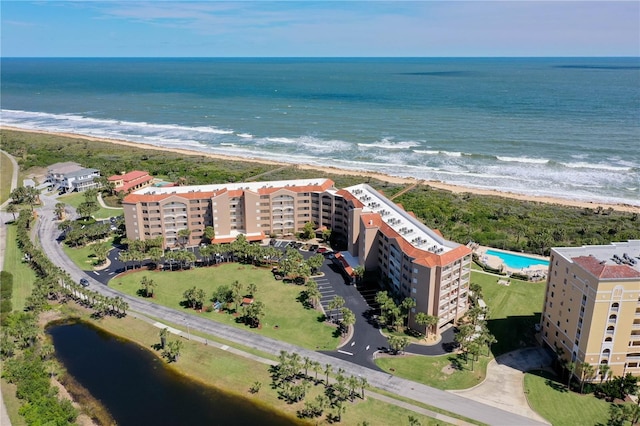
{"x": 617, "y": 260}
{"x": 132, "y": 175}
{"x": 81, "y": 172}
{"x": 247, "y": 186}
{"x": 402, "y": 222}
{"x": 62, "y": 168}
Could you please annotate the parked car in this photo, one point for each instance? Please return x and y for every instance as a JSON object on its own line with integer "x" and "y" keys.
{"x": 84, "y": 282}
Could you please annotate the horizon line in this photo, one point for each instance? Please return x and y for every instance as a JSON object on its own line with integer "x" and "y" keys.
{"x": 321, "y": 57}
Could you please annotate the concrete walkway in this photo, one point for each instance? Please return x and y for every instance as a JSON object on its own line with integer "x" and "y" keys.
{"x": 4, "y": 417}
{"x": 103, "y": 205}
{"x": 504, "y": 386}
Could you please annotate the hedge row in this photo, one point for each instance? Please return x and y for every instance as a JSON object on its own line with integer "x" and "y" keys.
{"x": 6, "y": 291}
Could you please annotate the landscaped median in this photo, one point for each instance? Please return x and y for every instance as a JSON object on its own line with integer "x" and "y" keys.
{"x": 285, "y": 318}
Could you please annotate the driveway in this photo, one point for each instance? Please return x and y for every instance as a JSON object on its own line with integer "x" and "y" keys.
{"x": 504, "y": 386}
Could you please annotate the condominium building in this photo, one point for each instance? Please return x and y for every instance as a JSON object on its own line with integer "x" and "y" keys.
{"x": 592, "y": 305}
{"x": 412, "y": 259}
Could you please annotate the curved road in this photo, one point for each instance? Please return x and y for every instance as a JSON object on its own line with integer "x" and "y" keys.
{"x": 48, "y": 234}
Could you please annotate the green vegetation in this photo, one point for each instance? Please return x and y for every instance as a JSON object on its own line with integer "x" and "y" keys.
{"x": 517, "y": 225}
{"x": 5, "y": 182}
{"x": 84, "y": 257}
{"x": 285, "y": 318}
{"x": 513, "y": 310}
{"x": 23, "y": 275}
{"x": 75, "y": 199}
{"x": 442, "y": 372}
{"x": 554, "y": 402}
{"x": 6, "y": 293}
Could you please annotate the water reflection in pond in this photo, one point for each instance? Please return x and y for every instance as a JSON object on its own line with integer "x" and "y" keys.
{"x": 138, "y": 389}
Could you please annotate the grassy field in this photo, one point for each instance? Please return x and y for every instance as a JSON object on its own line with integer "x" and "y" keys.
{"x": 23, "y": 276}
{"x": 513, "y": 310}
{"x": 235, "y": 374}
{"x": 83, "y": 257}
{"x": 6, "y": 171}
{"x": 552, "y": 401}
{"x": 295, "y": 324}
{"x": 76, "y": 198}
{"x": 436, "y": 371}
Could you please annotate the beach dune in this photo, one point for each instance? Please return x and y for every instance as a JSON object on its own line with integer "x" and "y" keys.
{"x": 363, "y": 173}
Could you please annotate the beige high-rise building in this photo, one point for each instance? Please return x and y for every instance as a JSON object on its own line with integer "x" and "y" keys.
{"x": 592, "y": 305}
{"x": 412, "y": 260}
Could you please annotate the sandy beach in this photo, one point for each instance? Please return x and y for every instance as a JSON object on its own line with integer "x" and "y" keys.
{"x": 334, "y": 170}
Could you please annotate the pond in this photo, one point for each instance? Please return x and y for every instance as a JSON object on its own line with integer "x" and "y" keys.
{"x": 137, "y": 388}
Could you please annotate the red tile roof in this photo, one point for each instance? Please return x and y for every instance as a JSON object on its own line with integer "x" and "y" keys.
{"x": 132, "y": 175}
{"x": 131, "y": 179}
{"x": 601, "y": 269}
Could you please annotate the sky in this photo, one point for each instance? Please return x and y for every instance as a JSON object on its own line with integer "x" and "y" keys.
{"x": 53, "y": 28}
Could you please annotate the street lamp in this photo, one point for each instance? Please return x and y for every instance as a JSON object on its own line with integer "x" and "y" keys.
{"x": 188, "y": 331}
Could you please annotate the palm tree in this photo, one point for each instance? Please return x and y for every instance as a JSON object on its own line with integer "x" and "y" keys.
{"x": 327, "y": 371}
{"x": 571, "y": 366}
{"x": 604, "y": 371}
{"x": 163, "y": 337}
{"x": 587, "y": 371}
{"x": 11, "y": 208}
{"x": 306, "y": 364}
{"x": 173, "y": 352}
{"x": 252, "y": 289}
{"x": 316, "y": 367}
{"x": 236, "y": 288}
{"x": 60, "y": 210}
{"x": 183, "y": 236}
{"x": 348, "y": 318}
{"x": 363, "y": 384}
{"x": 427, "y": 320}
{"x": 336, "y": 303}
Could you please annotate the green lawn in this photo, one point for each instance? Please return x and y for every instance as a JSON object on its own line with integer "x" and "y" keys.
{"x": 76, "y": 198}
{"x": 83, "y": 257}
{"x": 436, "y": 371}
{"x": 6, "y": 171}
{"x": 552, "y": 401}
{"x": 286, "y": 319}
{"x": 23, "y": 275}
{"x": 513, "y": 310}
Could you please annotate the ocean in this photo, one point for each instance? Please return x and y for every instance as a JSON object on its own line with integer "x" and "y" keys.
{"x": 560, "y": 127}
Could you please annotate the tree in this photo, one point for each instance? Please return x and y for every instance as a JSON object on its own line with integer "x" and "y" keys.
{"x": 101, "y": 250}
{"x": 336, "y": 303}
{"x": 398, "y": 343}
{"x": 183, "y": 236}
{"x": 163, "y": 337}
{"x": 87, "y": 208}
{"x": 60, "y": 210}
{"x": 327, "y": 371}
{"x": 315, "y": 262}
{"x": 604, "y": 371}
{"x": 308, "y": 231}
{"x": 236, "y": 293}
{"x": 252, "y": 289}
{"x": 358, "y": 272}
{"x": 209, "y": 233}
{"x": 147, "y": 286}
{"x": 313, "y": 293}
{"x": 587, "y": 372}
{"x": 326, "y": 235}
{"x": 571, "y": 366}
{"x": 348, "y": 318}
{"x": 363, "y": 385}
{"x": 174, "y": 348}
{"x": 426, "y": 320}
{"x": 11, "y": 208}
{"x": 254, "y": 313}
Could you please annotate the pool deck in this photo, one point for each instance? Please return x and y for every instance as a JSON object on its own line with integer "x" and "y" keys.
{"x": 537, "y": 271}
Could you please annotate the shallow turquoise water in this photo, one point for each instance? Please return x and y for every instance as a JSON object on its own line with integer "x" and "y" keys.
{"x": 517, "y": 261}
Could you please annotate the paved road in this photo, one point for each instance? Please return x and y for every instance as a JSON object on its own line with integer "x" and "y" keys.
{"x": 48, "y": 233}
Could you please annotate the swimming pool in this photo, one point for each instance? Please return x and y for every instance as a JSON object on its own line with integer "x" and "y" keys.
{"x": 517, "y": 261}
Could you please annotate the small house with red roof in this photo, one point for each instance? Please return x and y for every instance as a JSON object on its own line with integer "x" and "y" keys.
{"x": 132, "y": 181}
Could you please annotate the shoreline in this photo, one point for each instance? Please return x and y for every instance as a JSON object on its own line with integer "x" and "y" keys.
{"x": 456, "y": 189}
